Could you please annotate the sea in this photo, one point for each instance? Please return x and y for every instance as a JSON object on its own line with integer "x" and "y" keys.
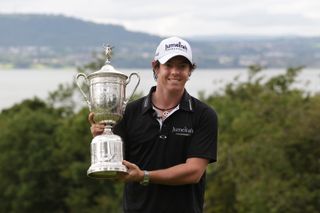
{"x": 17, "y": 85}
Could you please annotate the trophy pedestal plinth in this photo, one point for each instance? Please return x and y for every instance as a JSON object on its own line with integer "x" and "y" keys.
{"x": 106, "y": 155}
{"x": 106, "y": 170}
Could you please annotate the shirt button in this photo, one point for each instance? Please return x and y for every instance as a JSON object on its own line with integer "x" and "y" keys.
{"x": 163, "y": 137}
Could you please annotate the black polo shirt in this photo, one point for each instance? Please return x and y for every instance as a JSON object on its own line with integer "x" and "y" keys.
{"x": 191, "y": 131}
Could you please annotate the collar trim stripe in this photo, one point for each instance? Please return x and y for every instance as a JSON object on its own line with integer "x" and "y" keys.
{"x": 190, "y": 105}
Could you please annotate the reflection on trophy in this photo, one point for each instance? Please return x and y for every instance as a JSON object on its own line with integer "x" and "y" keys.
{"x": 107, "y": 100}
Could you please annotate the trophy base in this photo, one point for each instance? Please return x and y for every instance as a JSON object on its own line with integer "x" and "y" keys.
{"x": 106, "y": 170}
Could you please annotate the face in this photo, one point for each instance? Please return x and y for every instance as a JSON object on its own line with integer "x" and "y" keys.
{"x": 174, "y": 74}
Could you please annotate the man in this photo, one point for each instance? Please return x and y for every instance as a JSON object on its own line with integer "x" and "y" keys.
{"x": 169, "y": 138}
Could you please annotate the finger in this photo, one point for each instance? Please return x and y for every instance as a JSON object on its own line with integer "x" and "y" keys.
{"x": 126, "y": 163}
{"x": 99, "y": 126}
{"x": 94, "y": 128}
{"x": 129, "y": 165}
{"x": 97, "y": 129}
{"x": 91, "y": 118}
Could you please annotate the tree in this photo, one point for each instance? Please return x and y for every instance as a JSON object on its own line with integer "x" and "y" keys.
{"x": 267, "y": 146}
{"x": 44, "y": 163}
{"x": 30, "y": 180}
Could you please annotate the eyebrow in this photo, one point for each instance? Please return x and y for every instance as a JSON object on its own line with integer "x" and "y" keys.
{"x": 178, "y": 62}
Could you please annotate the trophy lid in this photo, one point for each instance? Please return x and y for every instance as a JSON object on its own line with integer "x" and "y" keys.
{"x": 108, "y": 69}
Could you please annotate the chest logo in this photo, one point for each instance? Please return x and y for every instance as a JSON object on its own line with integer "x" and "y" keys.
{"x": 185, "y": 131}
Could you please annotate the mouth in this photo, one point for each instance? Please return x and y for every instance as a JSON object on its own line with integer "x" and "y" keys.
{"x": 174, "y": 79}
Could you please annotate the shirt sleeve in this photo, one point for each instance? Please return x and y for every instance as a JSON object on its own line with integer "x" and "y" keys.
{"x": 204, "y": 140}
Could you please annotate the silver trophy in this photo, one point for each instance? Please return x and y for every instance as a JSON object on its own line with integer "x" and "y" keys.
{"x": 107, "y": 100}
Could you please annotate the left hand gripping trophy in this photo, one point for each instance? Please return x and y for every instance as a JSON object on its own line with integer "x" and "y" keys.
{"x": 107, "y": 100}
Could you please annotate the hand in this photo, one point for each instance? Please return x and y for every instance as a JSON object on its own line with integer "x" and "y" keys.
{"x": 96, "y": 128}
{"x": 135, "y": 174}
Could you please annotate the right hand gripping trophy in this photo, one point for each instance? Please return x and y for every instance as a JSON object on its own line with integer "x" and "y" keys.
{"x": 107, "y": 100}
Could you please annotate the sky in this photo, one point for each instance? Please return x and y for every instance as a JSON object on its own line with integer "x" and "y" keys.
{"x": 187, "y": 18}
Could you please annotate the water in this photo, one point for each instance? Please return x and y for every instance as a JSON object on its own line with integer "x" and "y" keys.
{"x": 17, "y": 85}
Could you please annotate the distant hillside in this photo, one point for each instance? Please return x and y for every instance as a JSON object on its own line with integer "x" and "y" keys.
{"x": 57, "y": 41}
{"x": 59, "y": 31}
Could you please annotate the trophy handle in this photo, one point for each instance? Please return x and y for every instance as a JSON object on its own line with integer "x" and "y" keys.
{"x": 78, "y": 84}
{"x": 135, "y": 88}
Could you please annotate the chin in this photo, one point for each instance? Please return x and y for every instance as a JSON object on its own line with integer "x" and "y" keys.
{"x": 176, "y": 88}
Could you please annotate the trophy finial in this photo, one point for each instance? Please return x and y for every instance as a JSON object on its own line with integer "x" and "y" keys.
{"x": 108, "y": 52}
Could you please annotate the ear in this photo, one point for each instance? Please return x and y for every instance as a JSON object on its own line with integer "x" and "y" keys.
{"x": 154, "y": 69}
{"x": 154, "y": 64}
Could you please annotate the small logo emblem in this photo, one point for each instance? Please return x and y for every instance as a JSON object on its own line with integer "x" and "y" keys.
{"x": 185, "y": 131}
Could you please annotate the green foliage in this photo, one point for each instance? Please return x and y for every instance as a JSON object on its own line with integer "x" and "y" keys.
{"x": 268, "y": 148}
{"x": 43, "y": 167}
{"x": 29, "y": 178}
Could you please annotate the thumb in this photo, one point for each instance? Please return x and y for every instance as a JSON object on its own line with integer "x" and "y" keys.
{"x": 129, "y": 165}
{"x": 91, "y": 118}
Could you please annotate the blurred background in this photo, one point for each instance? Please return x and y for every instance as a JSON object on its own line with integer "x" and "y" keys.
{"x": 258, "y": 66}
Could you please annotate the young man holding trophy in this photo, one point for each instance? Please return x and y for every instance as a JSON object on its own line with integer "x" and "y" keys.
{"x": 169, "y": 138}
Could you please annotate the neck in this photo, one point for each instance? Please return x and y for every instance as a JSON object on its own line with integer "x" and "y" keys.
{"x": 166, "y": 100}
{"x": 164, "y": 109}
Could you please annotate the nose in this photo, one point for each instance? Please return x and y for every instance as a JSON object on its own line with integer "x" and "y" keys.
{"x": 175, "y": 70}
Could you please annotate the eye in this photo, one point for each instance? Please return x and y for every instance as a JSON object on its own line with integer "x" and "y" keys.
{"x": 168, "y": 65}
{"x": 183, "y": 66}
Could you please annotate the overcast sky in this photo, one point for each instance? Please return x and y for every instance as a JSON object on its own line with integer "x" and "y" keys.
{"x": 187, "y": 18}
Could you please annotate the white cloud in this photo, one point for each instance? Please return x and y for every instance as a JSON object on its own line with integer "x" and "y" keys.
{"x": 186, "y": 18}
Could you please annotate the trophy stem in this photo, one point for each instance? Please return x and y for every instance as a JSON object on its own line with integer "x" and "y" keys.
{"x": 108, "y": 129}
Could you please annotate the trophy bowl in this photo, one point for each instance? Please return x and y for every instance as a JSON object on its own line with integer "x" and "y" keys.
{"x": 107, "y": 100}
